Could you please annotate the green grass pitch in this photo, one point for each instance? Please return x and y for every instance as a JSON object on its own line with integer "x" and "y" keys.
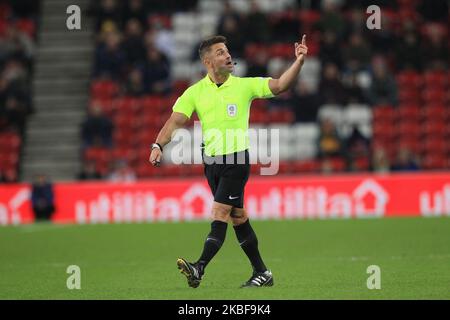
{"x": 310, "y": 259}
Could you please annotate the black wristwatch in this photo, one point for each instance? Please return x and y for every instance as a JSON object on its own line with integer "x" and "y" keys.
{"x": 157, "y": 145}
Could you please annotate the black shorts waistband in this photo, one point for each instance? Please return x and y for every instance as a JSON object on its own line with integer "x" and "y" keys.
{"x": 240, "y": 157}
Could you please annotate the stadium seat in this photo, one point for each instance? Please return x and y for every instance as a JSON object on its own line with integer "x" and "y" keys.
{"x": 435, "y": 111}
{"x": 104, "y": 89}
{"x": 306, "y": 166}
{"x": 435, "y": 79}
{"x": 408, "y": 128}
{"x": 409, "y": 80}
{"x": 408, "y": 112}
{"x": 362, "y": 164}
{"x": 409, "y": 96}
{"x": 383, "y": 113}
{"x": 434, "y": 146}
{"x": 432, "y": 161}
{"x": 434, "y": 128}
{"x": 435, "y": 96}
{"x": 27, "y": 26}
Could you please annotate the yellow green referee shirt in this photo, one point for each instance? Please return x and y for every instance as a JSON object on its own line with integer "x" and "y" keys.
{"x": 223, "y": 111}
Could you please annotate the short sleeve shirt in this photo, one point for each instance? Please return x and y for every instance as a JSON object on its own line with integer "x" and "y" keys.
{"x": 223, "y": 111}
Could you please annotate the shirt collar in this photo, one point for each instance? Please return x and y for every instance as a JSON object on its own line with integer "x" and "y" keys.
{"x": 225, "y": 84}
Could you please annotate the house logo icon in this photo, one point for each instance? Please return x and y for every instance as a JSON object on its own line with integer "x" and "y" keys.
{"x": 370, "y": 199}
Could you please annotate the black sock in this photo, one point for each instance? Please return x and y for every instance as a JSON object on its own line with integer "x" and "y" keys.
{"x": 249, "y": 243}
{"x": 213, "y": 243}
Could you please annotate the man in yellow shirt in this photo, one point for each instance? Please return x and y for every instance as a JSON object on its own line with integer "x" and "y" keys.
{"x": 222, "y": 103}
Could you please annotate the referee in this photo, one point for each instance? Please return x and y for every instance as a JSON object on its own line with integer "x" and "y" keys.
{"x": 222, "y": 103}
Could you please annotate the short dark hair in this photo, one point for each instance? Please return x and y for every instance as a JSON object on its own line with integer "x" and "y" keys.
{"x": 206, "y": 44}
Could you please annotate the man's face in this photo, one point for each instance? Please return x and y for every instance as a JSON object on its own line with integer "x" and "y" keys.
{"x": 219, "y": 59}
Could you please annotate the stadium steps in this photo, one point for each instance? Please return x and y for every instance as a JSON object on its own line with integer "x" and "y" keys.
{"x": 60, "y": 86}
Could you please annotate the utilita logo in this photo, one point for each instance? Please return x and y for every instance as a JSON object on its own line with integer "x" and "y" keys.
{"x": 10, "y": 210}
{"x": 368, "y": 199}
{"x": 143, "y": 206}
{"x": 437, "y": 204}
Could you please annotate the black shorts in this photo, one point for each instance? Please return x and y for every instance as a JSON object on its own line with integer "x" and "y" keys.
{"x": 227, "y": 177}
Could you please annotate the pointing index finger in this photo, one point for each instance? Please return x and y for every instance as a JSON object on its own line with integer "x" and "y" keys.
{"x": 304, "y": 39}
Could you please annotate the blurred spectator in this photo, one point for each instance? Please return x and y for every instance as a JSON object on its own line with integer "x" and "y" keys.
{"x": 257, "y": 67}
{"x": 436, "y": 10}
{"x": 326, "y": 166}
{"x": 109, "y": 57}
{"x": 133, "y": 45}
{"x": 42, "y": 198}
{"x": 16, "y": 44}
{"x": 234, "y": 35}
{"x": 330, "y": 87}
{"x": 89, "y": 172}
{"x": 405, "y": 161}
{"x": 435, "y": 50}
{"x": 161, "y": 38}
{"x": 331, "y": 19}
{"x": 15, "y": 111}
{"x": 122, "y": 173}
{"x": 227, "y": 12}
{"x": 383, "y": 89}
{"x": 356, "y": 146}
{"x": 330, "y": 51}
{"x": 305, "y": 102}
{"x": 380, "y": 161}
{"x": 97, "y": 129}
{"x": 156, "y": 71}
{"x": 329, "y": 143}
{"x": 408, "y": 52}
{"x": 134, "y": 9}
{"x": 135, "y": 86}
{"x": 258, "y": 28}
{"x": 353, "y": 92}
{"x": 357, "y": 50}
{"x": 107, "y": 11}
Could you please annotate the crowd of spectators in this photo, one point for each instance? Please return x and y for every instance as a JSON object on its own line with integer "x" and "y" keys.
{"x": 135, "y": 46}
{"x": 18, "y": 21}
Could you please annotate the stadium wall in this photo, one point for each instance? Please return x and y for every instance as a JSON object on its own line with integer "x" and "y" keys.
{"x": 294, "y": 197}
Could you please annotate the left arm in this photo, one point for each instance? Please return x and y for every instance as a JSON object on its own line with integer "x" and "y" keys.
{"x": 288, "y": 78}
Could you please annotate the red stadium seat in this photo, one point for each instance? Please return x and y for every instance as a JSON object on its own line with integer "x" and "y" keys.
{"x": 432, "y": 161}
{"x": 146, "y": 170}
{"x": 93, "y": 153}
{"x": 104, "y": 89}
{"x": 435, "y": 96}
{"x": 435, "y": 79}
{"x": 408, "y": 113}
{"x": 435, "y": 111}
{"x": 434, "y": 128}
{"x": 383, "y": 113}
{"x": 410, "y": 142}
{"x": 282, "y": 50}
{"x": 123, "y": 153}
{"x": 337, "y": 164}
{"x": 409, "y": 96}
{"x": 383, "y": 129}
{"x": 171, "y": 170}
{"x": 362, "y": 164}
{"x": 285, "y": 167}
{"x": 124, "y": 137}
{"x": 407, "y": 128}
{"x": 306, "y": 166}
{"x": 27, "y": 26}
{"x": 105, "y": 104}
{"x": 152, "y": 104}
{"x": 435, "y": 146}
{"x": 409, "y": 80}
